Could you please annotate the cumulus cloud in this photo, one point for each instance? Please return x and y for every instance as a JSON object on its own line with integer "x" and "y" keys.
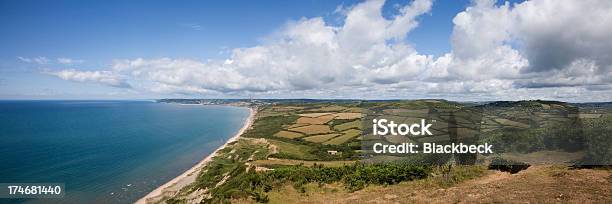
{"x": 539, "y": 43}
{"x": 306, "y": 54}
{"x": 556, "y": 34}
{"x": 546, "y": 49}
{"x": 101, "y": 77}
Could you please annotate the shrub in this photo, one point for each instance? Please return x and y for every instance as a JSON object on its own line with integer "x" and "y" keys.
{"x": 354, "y": 177}
{"x": 505, "y": 165}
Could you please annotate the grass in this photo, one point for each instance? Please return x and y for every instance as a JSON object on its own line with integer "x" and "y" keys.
{"x": 336, "y": 192}
{"x": 291, "y": 162}
{"x": 446, "y": 178}
{"x": 296, "y": 125}
{"x": 314, "y": 115}
{"x": 355, "y": 110}
{"x": 587, "y": 115}
{"x": 286, "y": 108}
{"x": 315, "y": 193}
{"x": 312, "y": 129}
{"x": 268, "y": 126}
{"x": 407, "y": 112}
{"x": 318, "y": 120}
{"x": 288, "y": 134}
{"x": 345, "y": 126}
{"x": 511, "y": 123}
{"x": 230, "y": 161}
{"x": 347, "y": 135}
{"x": 348, "y": 116}
{"x": 330, "y": 108}
{"x": 290, "y": 150}
{"x": 320, "y": 138}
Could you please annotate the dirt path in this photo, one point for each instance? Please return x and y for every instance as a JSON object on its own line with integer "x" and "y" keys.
{"x": 538, "y": 184}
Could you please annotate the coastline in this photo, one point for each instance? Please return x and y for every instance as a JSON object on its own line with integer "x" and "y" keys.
{"x": 189, "y": 176}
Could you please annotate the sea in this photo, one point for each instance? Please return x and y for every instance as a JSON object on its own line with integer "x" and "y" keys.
{"x": 107, "y": 151}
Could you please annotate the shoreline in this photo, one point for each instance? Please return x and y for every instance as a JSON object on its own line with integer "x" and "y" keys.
{"x": 189, "y": 176}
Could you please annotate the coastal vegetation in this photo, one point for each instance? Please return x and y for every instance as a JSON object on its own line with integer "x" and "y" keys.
{"x": 303, "y": 146}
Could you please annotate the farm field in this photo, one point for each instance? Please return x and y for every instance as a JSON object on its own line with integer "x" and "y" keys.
{"x": 312, "y": 129}
{"x": 356, "y": 124}
{"x": 339, "y": 127}
{"x": 288, "y": 134}
{"x": 346, "y": 136}
{"x": 320, "y": 138}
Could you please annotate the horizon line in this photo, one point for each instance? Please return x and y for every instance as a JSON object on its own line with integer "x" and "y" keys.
{"x": 313, "y": 99}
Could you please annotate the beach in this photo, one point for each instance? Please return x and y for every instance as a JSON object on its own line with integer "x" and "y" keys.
{"x": 173, "y": 186}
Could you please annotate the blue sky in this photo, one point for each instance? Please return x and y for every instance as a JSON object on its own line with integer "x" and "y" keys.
{"x": 106, "y": 30}
{"x": 93, "y": 35}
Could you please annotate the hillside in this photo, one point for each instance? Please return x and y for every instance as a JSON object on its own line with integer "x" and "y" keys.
{"x": 316, "y": 150}
{"x": 538, "y": 184}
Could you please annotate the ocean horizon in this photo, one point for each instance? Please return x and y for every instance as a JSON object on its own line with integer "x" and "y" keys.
{"x": 107, "y": 151}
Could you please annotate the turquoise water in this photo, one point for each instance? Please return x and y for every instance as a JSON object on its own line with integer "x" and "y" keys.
{"x": 107, "y": 151}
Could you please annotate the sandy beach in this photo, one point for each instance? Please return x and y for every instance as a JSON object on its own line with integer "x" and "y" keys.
{"x": 189, "y": 176}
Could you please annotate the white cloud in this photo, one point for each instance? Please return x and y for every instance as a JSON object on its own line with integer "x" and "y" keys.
{"x": 44, "y": 60}
{"x": 37, "y": 60}
{"x": 69, "y": 61}
{"x": 101, "y": 77}
{"x": 193, "y": 26}
{"x": 555, "y": 34}
{"x": 536, "y": 49}
{"x": 536, "y": 44}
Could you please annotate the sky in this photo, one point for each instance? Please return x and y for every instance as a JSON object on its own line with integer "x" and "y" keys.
{"x": 402, "y": 49}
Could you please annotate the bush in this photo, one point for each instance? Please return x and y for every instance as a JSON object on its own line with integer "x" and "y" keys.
{"x": 598, "y": 142}
{"x": 354, "y": 177}
{"x": 260, "y": 197}
{"x": 505, "y": 165}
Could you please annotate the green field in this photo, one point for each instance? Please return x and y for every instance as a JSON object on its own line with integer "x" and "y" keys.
{"x": 345, "y": 126}
{"x": 320, "y": 138}
{"x": 292, "y": 150}
{"x": 346, "y": 136}
{"x": 288, "y": 134}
